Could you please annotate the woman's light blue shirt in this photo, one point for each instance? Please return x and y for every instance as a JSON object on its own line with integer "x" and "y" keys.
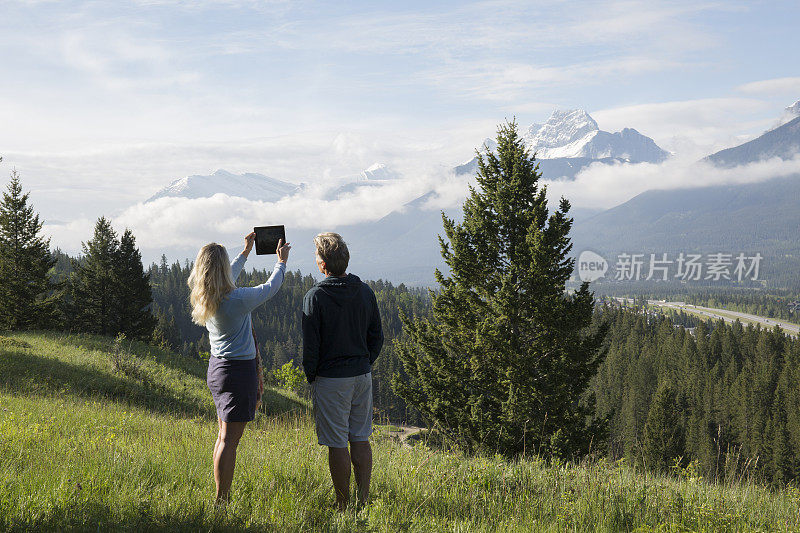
{"x": 230, "y": 329}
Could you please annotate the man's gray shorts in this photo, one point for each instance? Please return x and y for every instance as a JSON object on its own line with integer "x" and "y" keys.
{"x": 342, "y": 409}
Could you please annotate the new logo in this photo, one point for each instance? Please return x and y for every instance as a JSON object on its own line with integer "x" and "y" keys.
{"x": 591, "y": 266}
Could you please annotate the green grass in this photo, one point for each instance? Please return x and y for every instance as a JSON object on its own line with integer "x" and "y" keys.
{"x": 83, "y": 447}
{"x": 388, "y": 428}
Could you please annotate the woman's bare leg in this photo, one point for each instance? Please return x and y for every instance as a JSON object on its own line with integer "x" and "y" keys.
{"x": 225, "y": 456}
{"x": 216, "y": 444}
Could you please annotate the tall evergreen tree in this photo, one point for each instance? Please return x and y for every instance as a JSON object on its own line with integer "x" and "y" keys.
{"x": 505, "y": 360}
{"x": 26, "y": 291}
{"x": 782, "y": 457}
{"x": 663, "y": 433}
{"x": 132, "y": 289}
{"x": 166, "y": 332}
{"x": 94, "y": 284}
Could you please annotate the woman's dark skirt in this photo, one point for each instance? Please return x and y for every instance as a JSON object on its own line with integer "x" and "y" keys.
{"x": 234, "y": 387}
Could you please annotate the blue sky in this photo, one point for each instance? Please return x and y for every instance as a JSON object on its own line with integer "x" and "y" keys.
{"x": 105, "y": 102}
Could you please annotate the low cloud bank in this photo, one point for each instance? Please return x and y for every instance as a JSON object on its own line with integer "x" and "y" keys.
{"x": 605, "y": 186}
{"x": 170, "y": 224}
{"x": 180, "y": 222}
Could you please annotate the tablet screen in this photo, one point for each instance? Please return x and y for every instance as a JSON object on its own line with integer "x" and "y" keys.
{"x": 267, "y": 238}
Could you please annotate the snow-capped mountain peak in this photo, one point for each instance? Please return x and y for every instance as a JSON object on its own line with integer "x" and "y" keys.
{"x": 376, "y": 175}
{"x": 375, "y": 166}
{"x": 249, "y": 185}
{"x": 570, "y": 140}
{"x": 563, "y": 135}
{"x": 489, "y": 144}
{"x": 789, "y": 114}
{"x": 378, "y": 171}
{"x": 782, "y": 142}
{"x": 573, "y": 133}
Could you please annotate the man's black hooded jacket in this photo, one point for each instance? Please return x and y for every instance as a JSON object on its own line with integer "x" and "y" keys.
{"x": 342, "y": 333}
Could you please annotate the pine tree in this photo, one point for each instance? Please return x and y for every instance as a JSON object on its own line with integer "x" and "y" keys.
{"x": 663, "y": 433}
{"x": 782, "y": 457}
{"x": 26, "y": 291}
{"x": 94, "y": 284}
{"x": 506, "y": 358}
{"x": 132, "y": 290}
{"x": 111, "y": 292}
{"x": 791, "y": 386}
{"x": 166, "y": 332}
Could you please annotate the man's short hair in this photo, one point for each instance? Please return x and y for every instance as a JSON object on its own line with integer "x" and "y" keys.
{"x": 332, "y": 249}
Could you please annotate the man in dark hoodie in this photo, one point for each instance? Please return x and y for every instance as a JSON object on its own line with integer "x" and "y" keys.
{"x": 342, "y": 337}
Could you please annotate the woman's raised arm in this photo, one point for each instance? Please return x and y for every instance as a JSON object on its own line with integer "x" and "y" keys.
{"x": 252, "y": 297}
{"x": 238, "y": 264}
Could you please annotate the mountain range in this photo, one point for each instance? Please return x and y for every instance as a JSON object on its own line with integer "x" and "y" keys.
{"x": 782, "y": 142}
{"x": 751, "y": 218}
{"x": 756, "y": 217}
{"x": 565, "y": 144}
{"x": 571, "y": 140}
{"x": 258, "y": 187}
{"x": 574, "y": 134}
{"x": 402, "y": 246}
{"x": 375, "y": 176}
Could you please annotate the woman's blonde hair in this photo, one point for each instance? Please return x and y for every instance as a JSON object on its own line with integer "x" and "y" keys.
{"x": 211, "y": 280}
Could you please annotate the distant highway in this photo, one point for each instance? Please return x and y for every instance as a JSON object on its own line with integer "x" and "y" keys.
{"x": 729, "y": 316}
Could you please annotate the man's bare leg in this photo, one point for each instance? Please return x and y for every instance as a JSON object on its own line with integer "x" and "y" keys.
{"x": 225, "y": 456}
{"x": 339, "y": 464}
{"x": 361, "y": 456}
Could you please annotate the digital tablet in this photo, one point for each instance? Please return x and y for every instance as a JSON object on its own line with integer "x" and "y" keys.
{"x": 267, "y": 238}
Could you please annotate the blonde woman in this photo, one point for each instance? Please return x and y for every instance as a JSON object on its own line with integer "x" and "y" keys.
{"x": 233, "y": 368}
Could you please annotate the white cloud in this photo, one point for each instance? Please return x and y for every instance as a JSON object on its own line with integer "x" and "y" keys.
{"x": 509, "y": 81}
{"x": 503, "y": 51}
{"x": 789, "y": 87}
{"x": 69, "y": 236}
{"x": 107, "y": 178}
{"x": 171, "y": 222}
{"x": 605, "y": 186}
{"x": 494, "y": 26}
{"x": 663, "y": 26}
{"x": 174, "y": 225}
{"x": 693, "y": 128}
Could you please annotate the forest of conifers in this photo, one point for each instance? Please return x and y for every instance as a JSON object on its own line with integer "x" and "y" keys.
{"x": 723, "y": 395}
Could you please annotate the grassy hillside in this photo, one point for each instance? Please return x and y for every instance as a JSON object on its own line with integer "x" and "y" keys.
{"x": 87, "y": 444}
